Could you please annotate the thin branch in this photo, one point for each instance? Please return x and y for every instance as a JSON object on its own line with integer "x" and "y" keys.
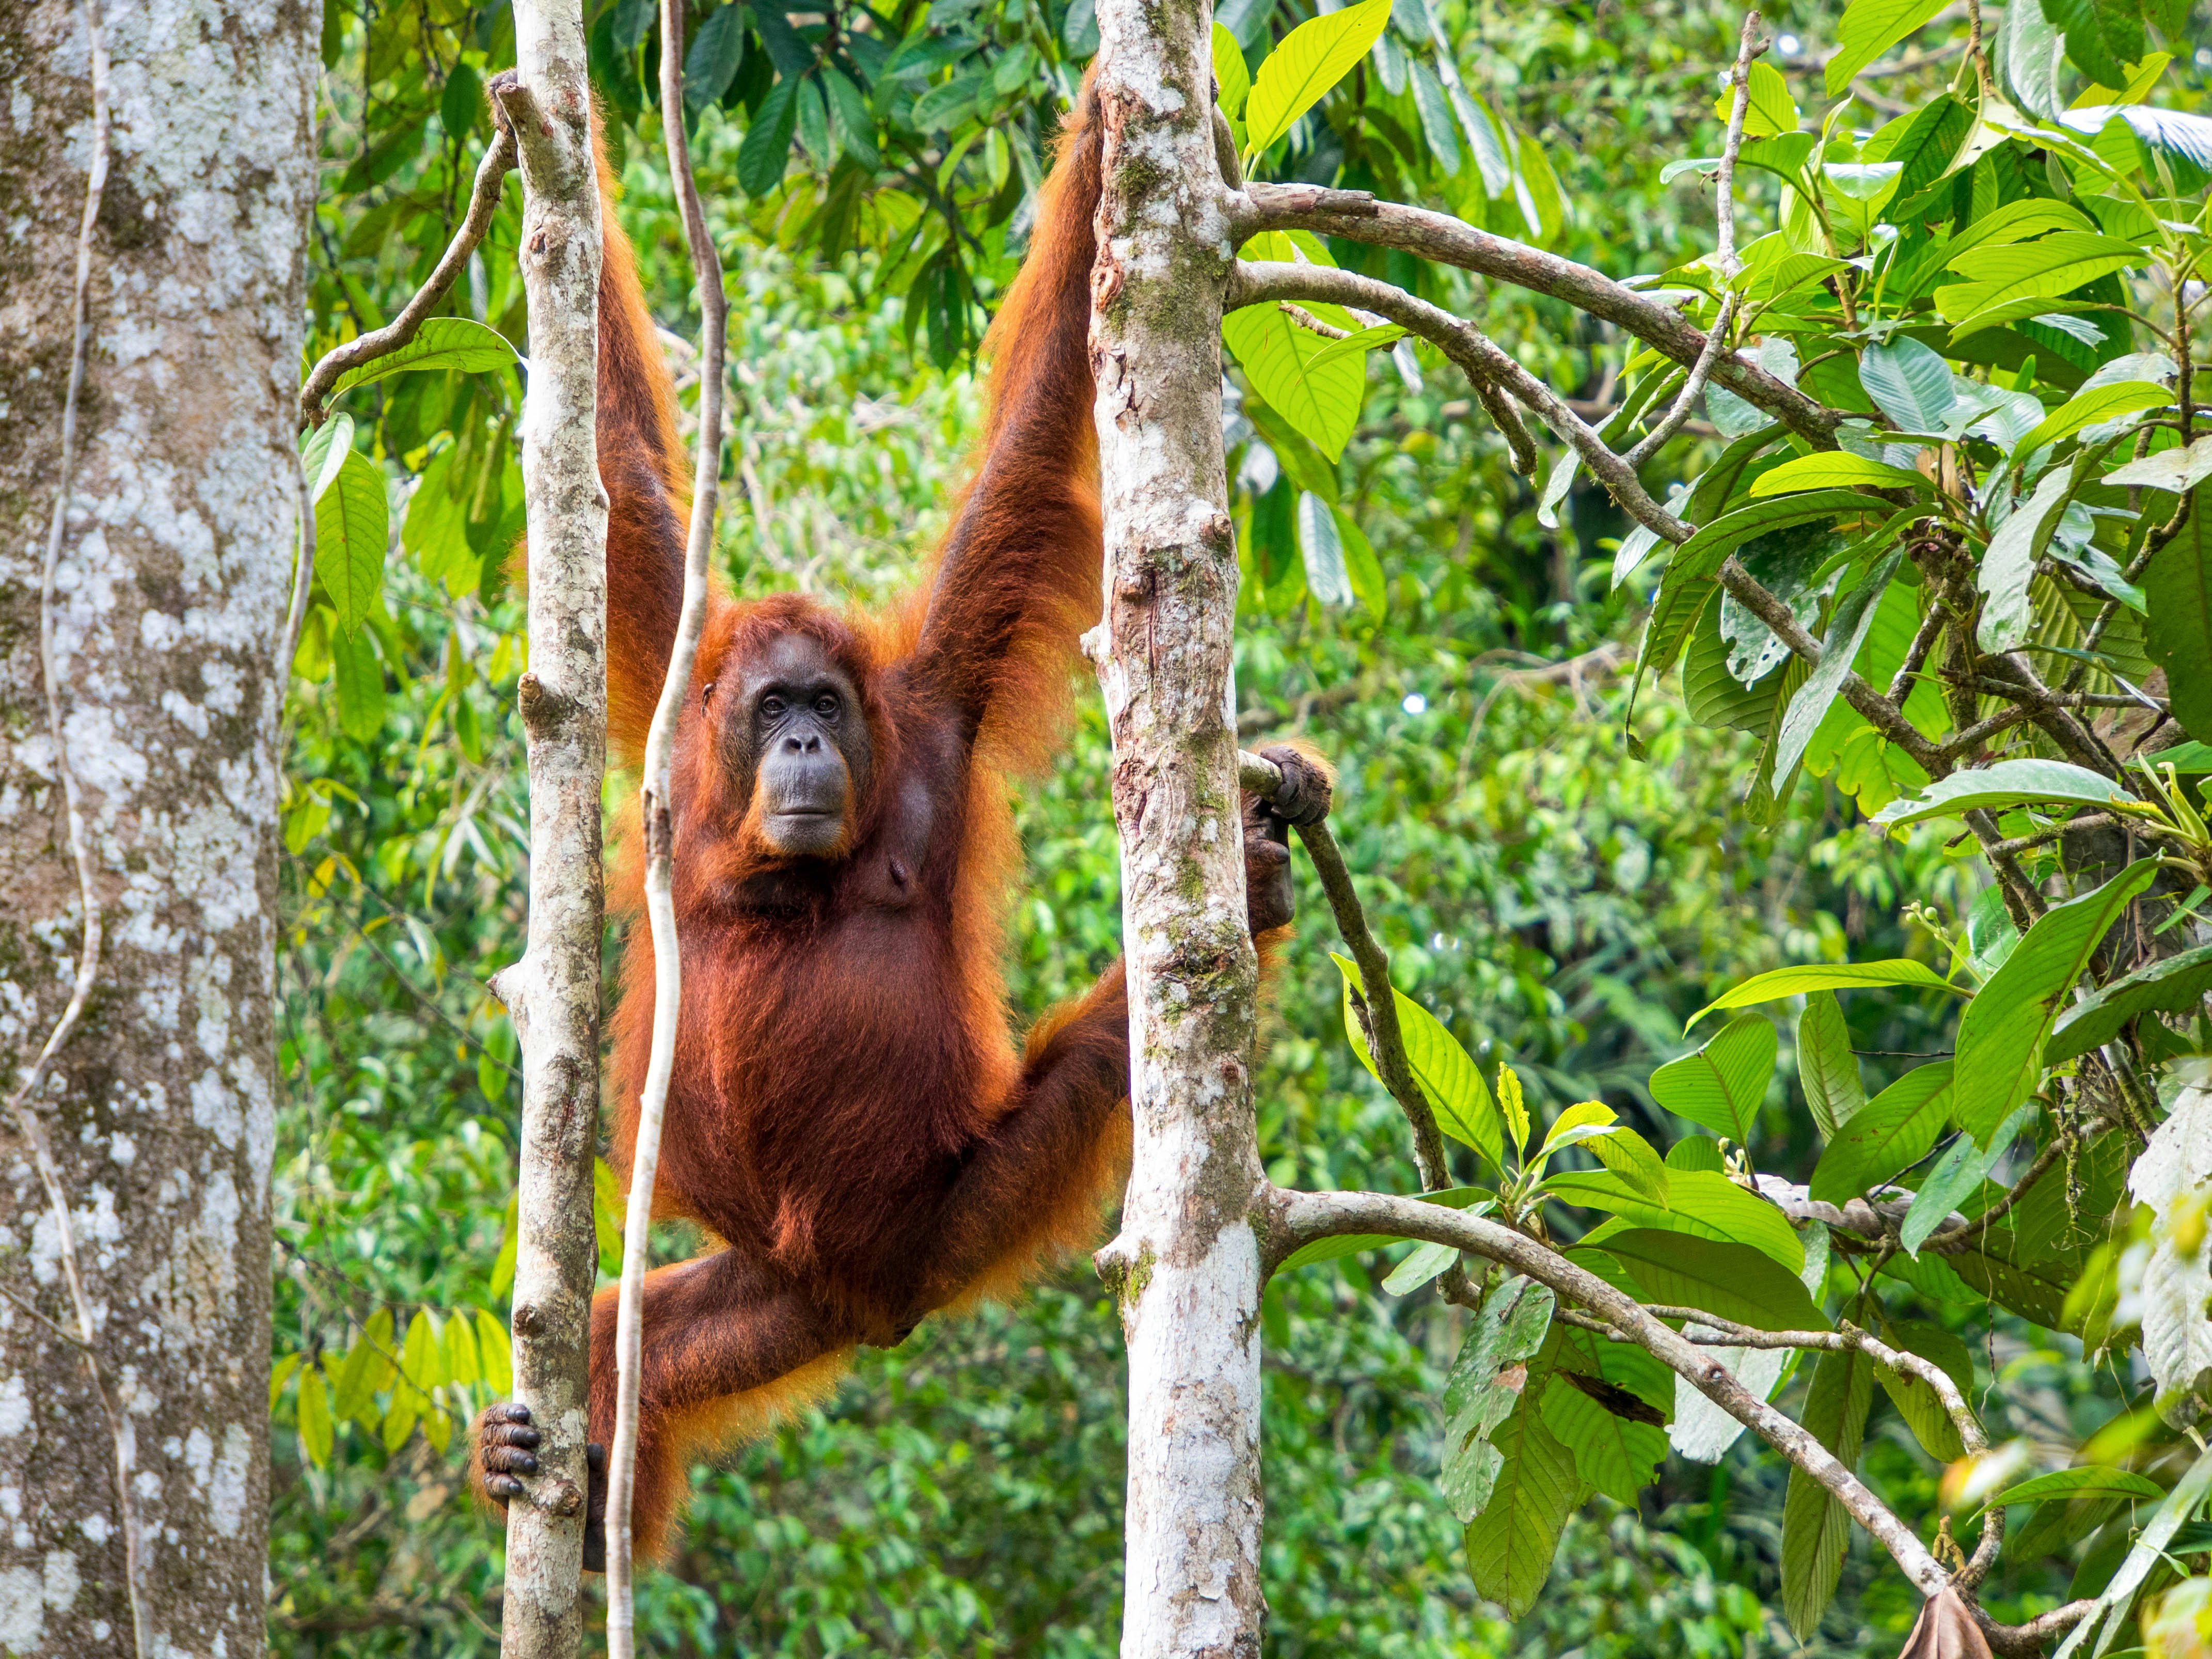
{"x": 1379, "y": 1006}
{"x": 655, "y": 797}
{"x": 1916, "y": 655}
{"x": 1477, "y": 355}
{"x": 303, "y": 574}
{"x": 1298, "y": 1219}
{"x": 1358, "y": 217}
{"x": 120, "y": 1429}
{"x": 1724, "y": 259}
{"x": 484, "y": 202}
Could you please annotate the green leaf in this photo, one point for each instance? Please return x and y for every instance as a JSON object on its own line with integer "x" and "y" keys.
{"x": 1230, "y": 73}
{"x": 280, "y": 1374}
{"x": 2149, "y": 1551}
{"x": 1826, "y": 1065}
{"x": 1909, "y": 382}
{"x": 1566, "y": 1129}
{"x": 1916, "y": 1399}
{"x": 1435, "y": 112}
{"x": 1310, "y": 60}
{"x": 1853, "y": 620}
{"x": 323, "y": 452}
{"x": 316, "y": 1430}
{"x": 2007, "y": 783}
{"x": 1958, "y": 1175}
{"x": 1512, "y": 1109}
{"x": 2033, "y": 271}
{"x": 1736, "y": 1281}
{"x": 1509, "y": 1546}
{"x": 1629, "y": 1156}
{"x": 365, "y": 1371}
{"x": 767, "y": 148}
{"x": 502, "y": 1267}
{"x": 1834, "y": 470}
{"x": 1815, "y": 1527}
{"x": 712, "y": 61}
{"x": 353, "y": 527}
{"x": 421, "y": 1360}
{"x": 1360, "y": 342}
{"x": 1476, "y": 1201}
{"x": 1362, "y": 569}
{"x": 607, "y": 1217}
{"x": 1616, "y": 1455}
{"x": 1487, "y": 1383}
{"x": 1930, "y": 143}
{"x": 1722, "y": 1085}
{"x": 2093, "y": 404}
{"x": 1695, "y": 1153}
{"x": 1869, "y": 28}
{"x": 2037, "y": 1292}
{"x": 1769, "y": 108}
{"x": 442, "y": 343}
{"x": 1891, "y": 1134}
{"x": 1446, "y": 1074}
{"x": 1700, "y": 1204}
{"x": 1285, "y": 364}
{"x": 357, "y": 673}
{"x": 2176, "y": 985}
{"x": 2000, "y": 1050}
{"x": 460, "y": 1359}
{"x": 2178, "y": 587}
{"x": 1827, "y": 976}
{"x": 2008, "y": 568}
{"x": 494, "y": 1355}
{"x": 2073, "y": 1483}
{"x": 1707, "y": 551}
{"x": 2171, "y": 470}
{"x": 1425, "y": 1262}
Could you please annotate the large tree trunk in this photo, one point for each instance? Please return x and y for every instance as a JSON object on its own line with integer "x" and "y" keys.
{"x": 169, "y": 590}
{"x": 1187, "y": 1259}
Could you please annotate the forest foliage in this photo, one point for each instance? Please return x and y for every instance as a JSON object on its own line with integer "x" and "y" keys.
{"x": 1754, "y": 996}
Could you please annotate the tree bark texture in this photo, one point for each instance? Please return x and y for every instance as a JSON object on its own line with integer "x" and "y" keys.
{"x": 1186, "y": 1263}
{"x": 553, "y": 992}
{"x": 169, "y": 595}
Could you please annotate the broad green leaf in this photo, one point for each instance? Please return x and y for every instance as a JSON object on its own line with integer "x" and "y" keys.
{"x": 1699, "y": 1203}
{"x": 2008, "y": 568}
{"x": 2001, "y": 1036}
{"x": 607, "y": 1209}
{"x": 2178, "y": 586}
{"x": 461, "y": 1362}
{"x": 1230, "y": 72}
{"x": 1869, "y": 28}
{"x": 711, "y": 62}
{"x": 1890, "y": 1134}
{"x": 1826, "y": 1067}
{"x": 502, "y": 1267}
{"x": 2037, "y": 1291}
{"x": 1487, "y": 1383}
{"x": 1583, "y": 1115}
{"x": 2148, "y": 1551}
{"x": 1929, "y": 144}
{"x": 357, "y": 675}
{"x": 1309, "y": 60}
{"x": 2073, "y": 1483}
{"x": 323, "y": 452}
{"x": 2176, "y": 985}
{"x": 1361, "y": 567}
{"x": 1916, "y": 1399}
{"x": 495, "y": 1356}
{"x": 1848, "y": 627}
{"x": 2093, "y": 404}
{"x": 1435, "y": 112}
{"x": 1769, "y": 110}
{"x": 1629, "y": 1156}
{"x": 442, "y": 343}
{"x": 1509, "y": 1546}
{"x": 1511, "y": 1107}
{"x": 1780, "y": 982}
{"x": 2055, "y": 265}
{"x": 1360, "y": 342}
{"x": 1695, "y": 1153}
{"x": 1738, "y": 1282}
{"x": 1476, "y": 1201}
{"x": 1834, "y": 470}
{"x": 1722, "y": 1085}
{"x": 2030, "y": 50}
{"x": 1707, "y": 551}
{"x": 1815, "y": 1527}
{"x": 422, "y": 1359}
{"x": 1909, "y": 382}
{"x": 1284, "y": 362}
{"x": 2007, "y": 783}
{"x": 767, "y": 148}
{"x": 1423, "y": 1263}
{"x": 400, "y": 1417}
{"x": 316, "y": 1430}
{"x": 1323, "y": 550}
{"x": 280, "y": 1374}
{"x": 1616, "y": 1455}
{"x": 2017, "y": 222}
{"x": 2171, "y": 470}
{"x": 353, "y": 525}
{"x": 1447, "y": 1076}
{"x": 1958, "y": 1175}
{"x": 365, "y": 1371}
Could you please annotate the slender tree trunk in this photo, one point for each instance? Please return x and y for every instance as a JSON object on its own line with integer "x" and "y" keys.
{"x": 168, "y": 585}
{"x": 1187, "y": 1264}
{"x": 553, "y": 992}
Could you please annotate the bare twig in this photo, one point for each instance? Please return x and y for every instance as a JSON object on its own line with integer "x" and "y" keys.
{"x": 1358, "y": 217}
{"x": 87, "y": 962}
{"x": 1301, "y": 1218}
{"x": 654, "y": 801}
{"x": 484, "y": 202}
{"x": 1478, "y": 355}
{"x": 303, "y": 574}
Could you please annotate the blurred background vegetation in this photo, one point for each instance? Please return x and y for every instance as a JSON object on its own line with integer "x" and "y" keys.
{"x": 1556, "y": 902}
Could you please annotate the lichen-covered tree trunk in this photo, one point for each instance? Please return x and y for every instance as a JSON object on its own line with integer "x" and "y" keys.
{"x": 553, "y": 992}
{"x": 169, "y": 590}
{"x": 1186, "y": 1263}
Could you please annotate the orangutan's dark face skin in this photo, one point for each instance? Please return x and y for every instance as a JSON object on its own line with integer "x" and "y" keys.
{"x": 795, "y": 740}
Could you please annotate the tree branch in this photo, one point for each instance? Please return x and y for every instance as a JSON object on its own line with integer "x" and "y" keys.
{"x": 1358, "y": 217}
{"x": 484, "y": 202}
{"x": 1478, "y": 356}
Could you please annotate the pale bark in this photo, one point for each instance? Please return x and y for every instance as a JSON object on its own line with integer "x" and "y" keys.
{"x": 1186, "y": 1263}
{"x": 137, "y": 1259}
{"x": 553, "y": 992}
{"x": 654, "y": 806}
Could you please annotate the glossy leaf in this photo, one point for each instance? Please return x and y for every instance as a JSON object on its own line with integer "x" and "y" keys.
{"x": 1869, "y": 28}
{"x": 2005, "y": 784}
{"x": 1616, "y": 1455}
{"x": 1447, "y": 1076}
{"x": 1854, "y": 618}
{"x": 2173, "y": 985}
{"x": 1307, "y": 61}
{"x": 2076, "y": 1482}
{"x": 1289, "y": 367}
{"x": 442, "y": 343}
{"x": 1626, "y": 1154}
{"x": 1230, "y": 73}
{"x": 2007, "y": 567}
{"x": 2002, "y": 1033}
{"x": 1780, "y": 982}
{"x": 2093, "y": 404}
{"x": 1909, "y": 382}
{"x": 1723, "y": 1083}
{"x": 1834, "y": 469}
{"x": 1701, "y": 1204}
